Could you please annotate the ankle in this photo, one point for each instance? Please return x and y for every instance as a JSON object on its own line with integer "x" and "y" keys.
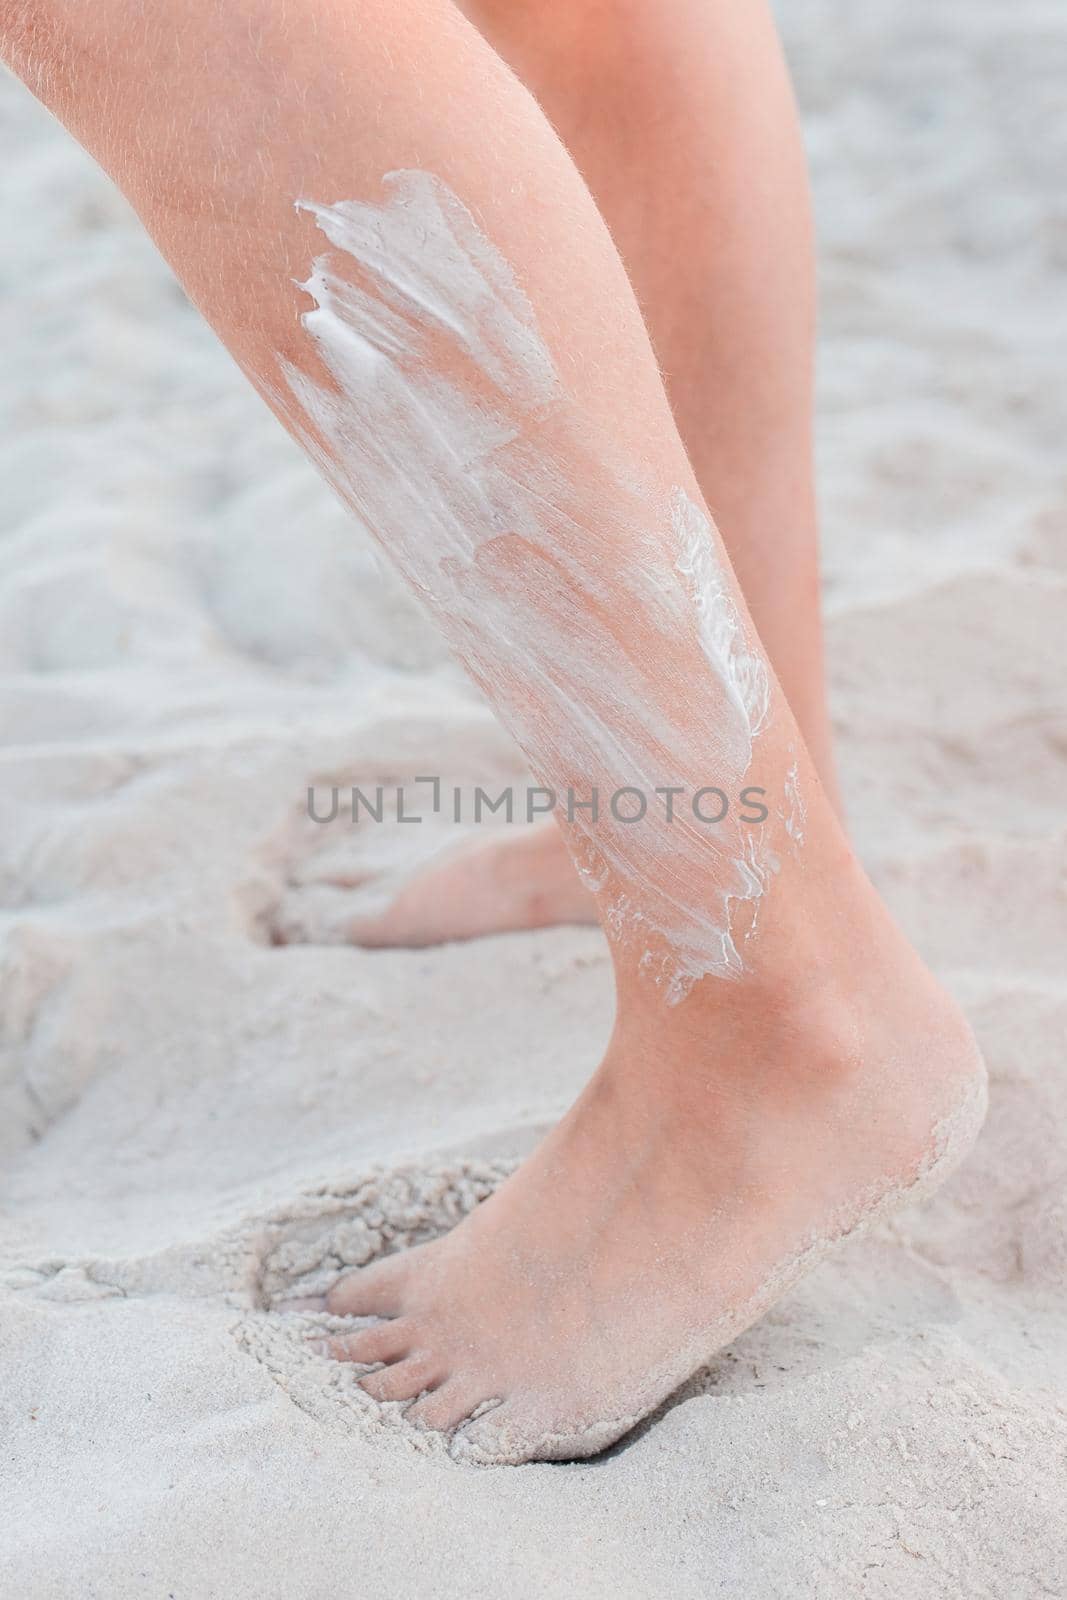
{"x": 822, "y": 1010}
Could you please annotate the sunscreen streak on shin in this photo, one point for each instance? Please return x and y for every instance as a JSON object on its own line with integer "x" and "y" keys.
{"x": 797, "y": 814}
{"x": 602, "y": 627}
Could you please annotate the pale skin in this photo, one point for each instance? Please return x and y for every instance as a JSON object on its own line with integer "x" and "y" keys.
{"x": 720, "y": 1135}
{"x": 680, "y": 117}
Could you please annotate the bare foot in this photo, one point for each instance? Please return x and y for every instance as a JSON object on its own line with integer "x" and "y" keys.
{"x": 506, "y": 881}
{"x": 501, "y": 882}
{"x": 722, "y": 1146}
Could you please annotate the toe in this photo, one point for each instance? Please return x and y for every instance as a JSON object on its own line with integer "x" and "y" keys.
{"x": 406, "y": 1379}
{"x": 372, "y": 1291}
{"x": 486, "y": 1441}
{"x": 383, "y": 1341}
{"x": 514, "y": 1432}
{"x": 445, "y": 1407}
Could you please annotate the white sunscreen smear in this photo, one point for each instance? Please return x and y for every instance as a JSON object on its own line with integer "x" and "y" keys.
{"x": 602, "y": 626}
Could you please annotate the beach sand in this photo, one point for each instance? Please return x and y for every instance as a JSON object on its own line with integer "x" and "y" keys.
{"x": 196, "y": 1120}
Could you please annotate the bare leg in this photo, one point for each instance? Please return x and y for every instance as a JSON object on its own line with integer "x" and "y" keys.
{"x": 475, "y": 378}
{"x": 681, "y": 118}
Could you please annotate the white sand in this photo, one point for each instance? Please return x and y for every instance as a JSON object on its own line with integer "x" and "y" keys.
{"x": 190, "y": 632}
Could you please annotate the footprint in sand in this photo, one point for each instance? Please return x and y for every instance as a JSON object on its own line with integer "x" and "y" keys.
{"x": 306, "y": 1246}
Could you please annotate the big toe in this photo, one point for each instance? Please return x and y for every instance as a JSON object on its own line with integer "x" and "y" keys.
{"x": 372, "y": 1291}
